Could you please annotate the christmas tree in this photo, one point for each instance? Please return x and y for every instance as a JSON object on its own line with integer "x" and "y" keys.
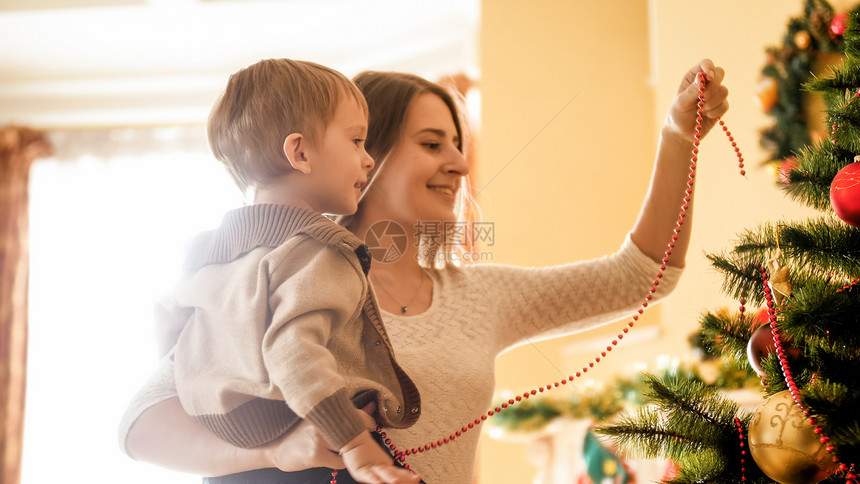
{"x": 814, "y": 36}
{"x": 804, "y": 344}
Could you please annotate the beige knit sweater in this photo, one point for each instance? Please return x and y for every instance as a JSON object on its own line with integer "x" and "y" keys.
{"x": 276, "y": 308}
{"x": 479, "y": 311}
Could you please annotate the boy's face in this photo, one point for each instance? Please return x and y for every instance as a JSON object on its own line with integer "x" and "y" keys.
{"x": 339, "y": 163}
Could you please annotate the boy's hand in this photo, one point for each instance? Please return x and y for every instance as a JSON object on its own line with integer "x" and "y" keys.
{"x": 302, "y": 448}
{"x": 305, "y": 447}
{"x": 367, "y": 462}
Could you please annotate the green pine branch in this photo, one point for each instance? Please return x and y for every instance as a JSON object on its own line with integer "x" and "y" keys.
{"x": 727, "y": 334}
{"x": 809, "y": 181}
{"x": 852, "y": 35}
{"x": 845, "y": 114}
{"x": 705, "y": 467}
{"x": 775, "y": 383}
{"x": 824, "y": 246}
{"x": 688, "y": 423}
{"x": 740, "y": 276}
{"x": 643, "y": 434}
{"x": 824, "y": 319}
{"x": 831, "y": 404}
{"x": 817, "y": 249}
{"x": 841, "y": 78}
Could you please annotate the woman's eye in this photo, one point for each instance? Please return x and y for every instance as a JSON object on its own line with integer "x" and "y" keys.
{"x": 431, "y": 146}
{"x": 358, "y": 141}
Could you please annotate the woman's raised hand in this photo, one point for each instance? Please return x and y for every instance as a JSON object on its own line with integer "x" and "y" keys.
{"x": 681, "y": 117}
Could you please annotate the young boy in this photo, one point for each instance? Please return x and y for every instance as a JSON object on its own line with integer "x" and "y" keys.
{"x": 277, "y": 322}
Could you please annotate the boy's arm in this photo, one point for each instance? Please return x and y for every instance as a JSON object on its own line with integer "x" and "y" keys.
{"x": 317, "y": 291}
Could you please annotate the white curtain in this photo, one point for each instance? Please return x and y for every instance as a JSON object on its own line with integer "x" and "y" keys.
{"x": 110, "y": 213}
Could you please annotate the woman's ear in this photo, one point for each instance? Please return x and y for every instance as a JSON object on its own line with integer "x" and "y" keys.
{"x": 294, "y": 149}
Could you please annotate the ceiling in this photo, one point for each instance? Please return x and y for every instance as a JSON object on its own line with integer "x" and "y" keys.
{"x": 95, "y": 63}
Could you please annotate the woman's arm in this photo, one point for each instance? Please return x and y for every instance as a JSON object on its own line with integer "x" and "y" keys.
{"x": 531, "y": 303}
{"x": 653, "y": 228}
{"x": 166, "y": 436}
{"x": 157, "y": 430}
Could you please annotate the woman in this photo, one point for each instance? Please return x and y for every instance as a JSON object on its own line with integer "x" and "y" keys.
{"x": 448, "y": 323}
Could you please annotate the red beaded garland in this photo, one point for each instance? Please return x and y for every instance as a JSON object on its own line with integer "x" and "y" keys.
{"x": 743, "y": 449}
{"x": 702, "y": 80}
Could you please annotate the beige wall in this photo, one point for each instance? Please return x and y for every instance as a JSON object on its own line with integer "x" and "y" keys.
{"x": 565, "y": 183}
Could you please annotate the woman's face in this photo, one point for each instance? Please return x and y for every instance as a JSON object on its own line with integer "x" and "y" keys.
{"x": 422, "y": 174}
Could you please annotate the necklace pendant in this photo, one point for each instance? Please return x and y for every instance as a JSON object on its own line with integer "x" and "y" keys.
{"x": 403, "y": 309}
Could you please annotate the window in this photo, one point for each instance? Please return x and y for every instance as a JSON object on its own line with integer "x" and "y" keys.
{"x": 107, "y": 235}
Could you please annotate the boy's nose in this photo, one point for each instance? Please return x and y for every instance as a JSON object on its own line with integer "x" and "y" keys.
{"x": 368, "y": 162}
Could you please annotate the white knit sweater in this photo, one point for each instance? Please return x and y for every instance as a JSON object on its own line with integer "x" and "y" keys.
{"x": 479, "y": 311}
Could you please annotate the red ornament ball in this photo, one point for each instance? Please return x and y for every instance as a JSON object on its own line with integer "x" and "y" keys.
{"x": 838, "y": 24}
{"x": 761, "y": 344}
{"x": 845, "y": 194}
{"x": 785, "y": 168}
{"x": 760, "y": 318}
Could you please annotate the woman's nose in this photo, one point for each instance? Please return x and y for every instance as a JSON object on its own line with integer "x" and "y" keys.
{"x": 457, "y": 163}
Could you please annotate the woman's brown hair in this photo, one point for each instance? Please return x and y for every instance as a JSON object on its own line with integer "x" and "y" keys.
{"x": 388, "y": 96}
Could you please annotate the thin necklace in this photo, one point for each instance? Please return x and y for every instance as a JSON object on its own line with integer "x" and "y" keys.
{"x": 403, "y": 307}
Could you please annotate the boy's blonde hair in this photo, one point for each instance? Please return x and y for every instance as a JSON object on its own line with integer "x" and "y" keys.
{"x": 263, "y": 104}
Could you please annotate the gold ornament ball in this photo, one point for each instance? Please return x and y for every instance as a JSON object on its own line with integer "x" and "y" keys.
{"x": 767, "y": 93}
{"x": 801, "y": 39}
{"x": 784, "y": 445}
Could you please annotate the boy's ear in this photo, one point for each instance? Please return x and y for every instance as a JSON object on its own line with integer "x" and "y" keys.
{"x": 294, "y": 149}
